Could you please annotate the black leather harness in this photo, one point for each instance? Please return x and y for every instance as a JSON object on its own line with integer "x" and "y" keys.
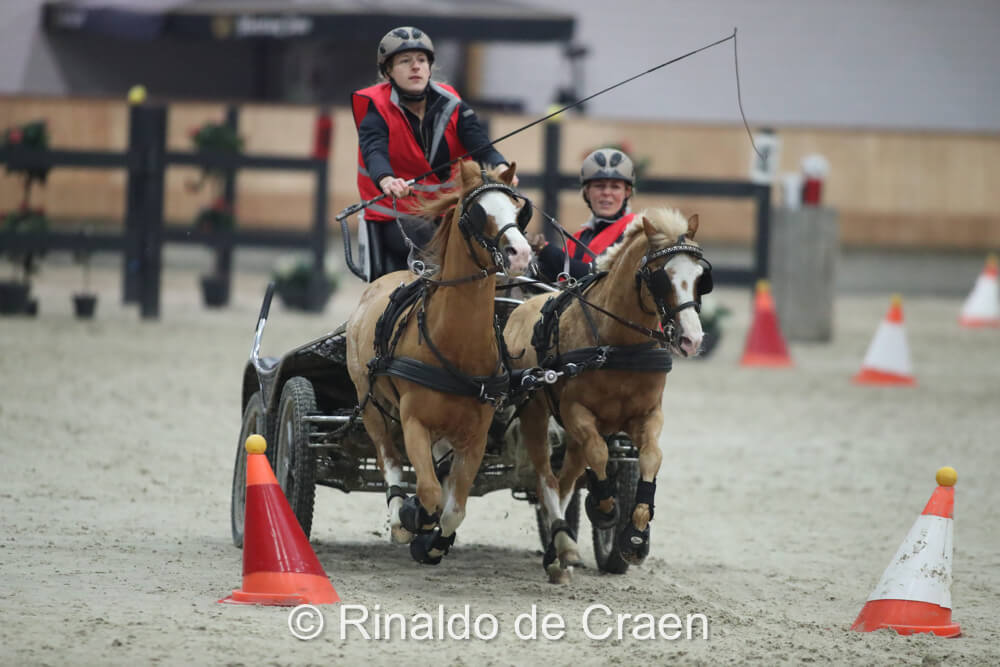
{"x": 651, "y": 356}
{"x": 447, "y": 378}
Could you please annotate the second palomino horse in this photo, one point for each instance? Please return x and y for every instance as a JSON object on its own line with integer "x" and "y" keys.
{"x": 598, "y": 338}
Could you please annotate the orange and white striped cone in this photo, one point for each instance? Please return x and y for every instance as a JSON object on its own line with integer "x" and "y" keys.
{"x": 982, "y": 307}
{"x": 914, "y": 594}
{"x": 279, "y": 566}
{"x": 887, "y": 361}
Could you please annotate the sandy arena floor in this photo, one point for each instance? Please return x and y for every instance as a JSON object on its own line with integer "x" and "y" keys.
{"x": 783, "y": 495}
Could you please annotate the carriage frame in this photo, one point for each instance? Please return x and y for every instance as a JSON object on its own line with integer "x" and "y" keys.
{"x": 305, "y": 405}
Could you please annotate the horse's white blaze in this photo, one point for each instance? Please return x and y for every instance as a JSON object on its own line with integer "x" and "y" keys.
{"x": 684, "y": 272}
{"x": 504, "y": 212}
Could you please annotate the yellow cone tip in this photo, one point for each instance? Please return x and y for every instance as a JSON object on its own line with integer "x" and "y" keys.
{"x": 991, "y": 261}
{"x": 256, "y": 444}
{"x": 947, "y": 476}
{"x": 763, "y": 285}
{"x": 896, "y": 300}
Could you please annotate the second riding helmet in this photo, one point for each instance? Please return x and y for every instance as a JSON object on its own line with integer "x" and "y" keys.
{"x": 607, "y": 163}
{"x": 406, "y": 38}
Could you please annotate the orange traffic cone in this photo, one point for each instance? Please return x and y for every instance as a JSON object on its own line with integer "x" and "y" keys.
{"x": 279, "y": 566}
{"x": 887, "y": 361}
{"x": 914, "y": 594}
{"x": 982, "y": 307}
{"x": 765, "y": 345}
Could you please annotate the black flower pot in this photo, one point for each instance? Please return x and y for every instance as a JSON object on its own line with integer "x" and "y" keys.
{"x": 14, "y": 298}
{"x": 215, "y": 291}
{"x": 84, "y": 305}
{"x": 310, "y": 298}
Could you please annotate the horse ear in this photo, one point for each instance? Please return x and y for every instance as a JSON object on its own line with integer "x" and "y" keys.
{"x": 648, "y": 227}
{"x": 507, "y": 175}
{"x": 692, "y": 226}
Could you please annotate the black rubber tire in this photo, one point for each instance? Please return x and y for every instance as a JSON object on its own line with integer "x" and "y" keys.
{"x": 572, "y": 518}
{"x": 294, "y": 460}
{"x": 624, "y": 476}
{"x": 254, "y": 421}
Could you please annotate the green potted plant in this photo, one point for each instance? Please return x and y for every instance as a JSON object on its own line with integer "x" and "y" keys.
{"x": 85, "y": 302}
{"x": 217, "y": 220}
{"x": 299, "y": 286}
{"x": 15, "y": 293}
{"x": 712, "y": 314}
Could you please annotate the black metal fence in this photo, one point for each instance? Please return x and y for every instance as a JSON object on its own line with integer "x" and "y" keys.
{"x": 551, "y": 182}
{"x": 145, "y": 160}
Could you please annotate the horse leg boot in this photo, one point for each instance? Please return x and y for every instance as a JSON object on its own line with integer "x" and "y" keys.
{"x": 430, "y": 548}
{"x": 419, "y": 513}
{"x": 633, "y": 542}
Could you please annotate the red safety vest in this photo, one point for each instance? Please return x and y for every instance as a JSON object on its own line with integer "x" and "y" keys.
{"x": 605, "y": 238}
{"x": 405, "y": 156}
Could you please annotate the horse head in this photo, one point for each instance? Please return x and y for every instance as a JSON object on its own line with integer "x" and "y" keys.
{"x": 676, "y": 275}
{"x": 492, "y": 217}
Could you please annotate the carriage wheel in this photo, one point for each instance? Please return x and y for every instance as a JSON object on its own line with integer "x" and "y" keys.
{"x": 294, "y": 460}
{"x": 254, "y": 421}
{"x": 624, "y": 476}
{"x": 572, "y": 518}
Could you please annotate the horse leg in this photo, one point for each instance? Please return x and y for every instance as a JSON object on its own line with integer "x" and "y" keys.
{"x": 633, "y": 543}
{"x": 562, "y": 552}
{"x": 390, "y": 464}
{"x": 601, "y": 505}
{"x": 419, "y": 513}
{"x": 429, "y": 548}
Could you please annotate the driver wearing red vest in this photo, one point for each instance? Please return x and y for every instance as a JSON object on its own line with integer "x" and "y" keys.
{"x": 607, "y": 177}
{"x": 407, "y": 126}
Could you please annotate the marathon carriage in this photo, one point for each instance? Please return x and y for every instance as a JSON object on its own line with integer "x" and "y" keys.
{"x": 302, "y": 403}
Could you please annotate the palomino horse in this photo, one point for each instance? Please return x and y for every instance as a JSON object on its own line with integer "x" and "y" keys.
{"x": 437, "y": 373}
{"x": 654, "y": 276}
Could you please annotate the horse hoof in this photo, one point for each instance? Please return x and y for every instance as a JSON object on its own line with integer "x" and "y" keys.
{"x": 420, "y": 548}
{"x": 598, "y": 519}
{"x": 422, "y": 545}
{"x": 570, "y": 559}
{"x": 558, "y": 575}
{"x": 400, "y": 535}
{"x": 633, "y": 544}
{"x": 415, "y": 518}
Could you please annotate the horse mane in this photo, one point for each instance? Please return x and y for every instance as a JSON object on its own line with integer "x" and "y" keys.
{"x": 669, "y": 224}
{"x": 467, "y": 175}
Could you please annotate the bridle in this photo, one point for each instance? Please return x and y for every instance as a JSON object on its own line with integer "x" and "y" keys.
{"x": 659, "y": 285}
{"x": 472, "y": 219}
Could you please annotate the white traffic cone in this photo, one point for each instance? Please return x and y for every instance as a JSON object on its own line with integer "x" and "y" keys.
{"x": 914, "y": 594}
{"x": 887, "y": 361}
{"x": 982, "y": 307}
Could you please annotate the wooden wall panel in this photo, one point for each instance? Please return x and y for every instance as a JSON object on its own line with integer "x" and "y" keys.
{"x": 890, "y": 188}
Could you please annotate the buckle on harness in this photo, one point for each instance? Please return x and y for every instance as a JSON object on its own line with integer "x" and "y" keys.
{"x": 495, "y": 401}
